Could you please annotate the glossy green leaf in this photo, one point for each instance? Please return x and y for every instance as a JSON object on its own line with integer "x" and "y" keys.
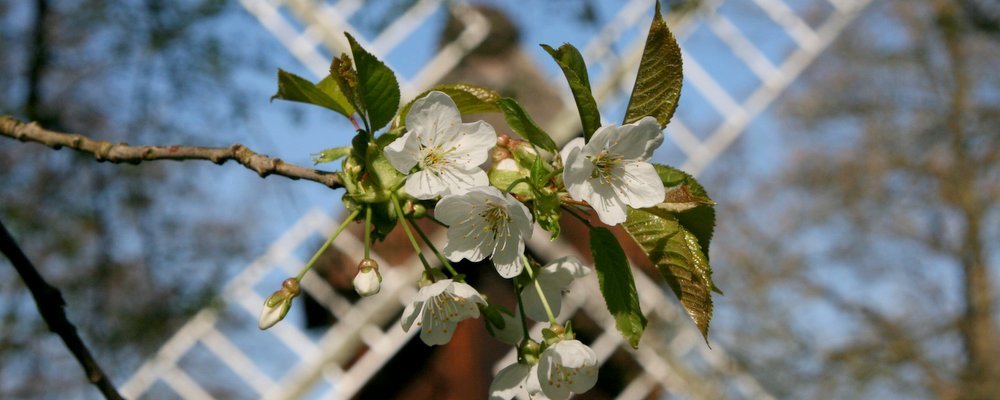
{"x": 377, "y": 86}
{"x": 614, "y": 276}
{"x": 521, "y": 122}
{"x": 470, "y": 99}
{"x": 573, "y": 67}
{"x": 330, "y": 86}
{"x": 658, "y": 82}
{"x": 690, "y": 203}
{"x": 331, "y": 154}
{"x": 292, "y": 87}
{"x": 679, "y": 258}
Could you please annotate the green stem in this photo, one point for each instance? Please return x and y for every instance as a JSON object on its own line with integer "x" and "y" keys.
{"x": 541, "y": 294}
{"x": 315, "y": 257}
{"x": 570, "y": 211}
{"x": 440, "y": 257}
{"x": 413, "y": 241}
{"x": 368, "y": 231}
{"x": 524, "y": 318}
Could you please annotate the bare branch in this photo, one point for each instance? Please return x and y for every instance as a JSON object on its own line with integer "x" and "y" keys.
{"x": 51, "y": 305}
{"x": 123, "y": 153}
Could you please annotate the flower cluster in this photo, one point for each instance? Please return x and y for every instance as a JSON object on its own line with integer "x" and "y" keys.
{"x": 438, "y": 160}
{"x": 419, "y": 159}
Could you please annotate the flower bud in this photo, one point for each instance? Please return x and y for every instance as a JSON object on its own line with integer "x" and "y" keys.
{"x": 528, "y": 352}
{"x": 368, "y": 281}
{"x": 277, "y": 305}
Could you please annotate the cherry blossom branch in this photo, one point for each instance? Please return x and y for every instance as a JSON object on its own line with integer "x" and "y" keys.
{"x": 123, "y": 153}
{"x": 51, "y": 306}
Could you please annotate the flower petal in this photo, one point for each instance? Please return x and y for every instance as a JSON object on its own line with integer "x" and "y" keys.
{"x": 467, "y": 292}
{"x": 404, "y": 152}
{"x": 436, "y": 331}
{"x": 567, "y": 366}
{"x": 510, "y": 382}
{"x": 425, "y": 185}
{"x": 610, "y": 209}
{"x": 432, "y": 115}
{"x": 468, "y": 240}
{"x": 410, "y": 314}
{"x": 636, "y": 141}
{"x": 458, "y": 181}
{"x": 639, "y": 184}
{"x": 469, "y": 145}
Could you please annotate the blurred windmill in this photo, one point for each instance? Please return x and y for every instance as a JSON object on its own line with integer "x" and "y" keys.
{"x": 739, "y": 56}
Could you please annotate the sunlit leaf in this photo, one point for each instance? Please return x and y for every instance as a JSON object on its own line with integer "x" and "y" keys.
{"x": 658, "y": 82}
{"x": 614, "y": 276}
{"x": 691, "y": 204}
{"x": 521, "y": 122}
{"x": 679, "y": 258}
{"x": 377, "y": 86}
{"x": 573, "y": 67}
{"x": 292, "y": 87}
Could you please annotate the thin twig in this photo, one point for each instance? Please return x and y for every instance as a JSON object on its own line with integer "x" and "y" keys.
{"x": 50, "y": 305}
{"x": 123, "y": 153}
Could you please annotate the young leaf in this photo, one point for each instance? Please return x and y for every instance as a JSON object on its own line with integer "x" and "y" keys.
{"x": 573, "y": 67}
{"x": 470, "y": 99}
{"x": 695, "y": 211}
{"x": 521, "y": 122}
{"x": 330, "y": 86}
{"x": 676, "y": 253}
{"x": 343, "y": 74}
{"x": 331, "y": 154}
{"x": 546, "y": 211}
{"x": 658, "y": 83}
{"x": 614, "y": 276}
{"x": 377, "y": 85}
{"x": 292, "y": 87}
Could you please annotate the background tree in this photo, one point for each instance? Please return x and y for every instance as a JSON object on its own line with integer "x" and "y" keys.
{"x": 866, "y": 263}
{"x": 130, "y": 262}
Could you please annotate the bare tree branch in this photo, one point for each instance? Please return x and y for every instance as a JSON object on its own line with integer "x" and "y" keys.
{"x": 123, "y": 153}
{"x": 50, "y": 305}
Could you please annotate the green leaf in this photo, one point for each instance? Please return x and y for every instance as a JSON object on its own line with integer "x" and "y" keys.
{"x": 521, "y": 122}
{"x": 546, "y": 211}
{"x": 330, "y": 86}
{"x": 343, "y": 74}
{"x": 658, "y": 83}
{"x": 691, "y": 204}
{"x": 377, "y": 85}
{"x": 573, "y": 67}
{"x": 675, "y": 252}
{"x": 470, "y": 99}
{"x": 614, "y": 276}
{"x": 292, "y": 87}
{"x": 331, "y": 154}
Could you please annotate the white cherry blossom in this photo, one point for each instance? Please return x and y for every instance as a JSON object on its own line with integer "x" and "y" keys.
{"x": 553, "y": 278}
{"x": 446, "y": 152}
{"x": 567, "y": 367}
{"x": 484, "y": 222}
{"x": 440, "y": 306}
{"x": 611, "y": 171}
